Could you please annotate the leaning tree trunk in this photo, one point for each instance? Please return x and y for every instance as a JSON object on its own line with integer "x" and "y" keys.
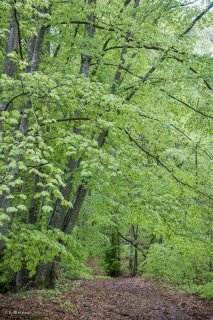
{"x": 63, "y": 218}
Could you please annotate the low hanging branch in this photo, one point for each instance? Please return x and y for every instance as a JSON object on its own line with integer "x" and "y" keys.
{"x": 204, "y": 80}
{"x": 166, "y": 168}
{"x": 187, "y": 105}
{"x": 178, "y": 233}
{"x": 13, "y": 98}
{"x": 207, "y": 84}
{"x": 134, "y": 244}
{"x": 146, "y": 46}
{"x": 64, "y": 120}
{"x": 131, "y": 242}
{"x": 177, "y": 129}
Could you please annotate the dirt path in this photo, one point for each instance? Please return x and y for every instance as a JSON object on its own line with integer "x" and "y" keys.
{"x": 111, "y": 299}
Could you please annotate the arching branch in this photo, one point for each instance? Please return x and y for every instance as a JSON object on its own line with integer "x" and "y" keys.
{"x": 196, "y": 19}
{"x": 166, "y": 168}
{"x": 187, "y": 105}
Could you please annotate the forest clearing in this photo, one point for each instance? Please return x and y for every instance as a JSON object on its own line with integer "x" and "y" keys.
{"x": 106, "y": 158}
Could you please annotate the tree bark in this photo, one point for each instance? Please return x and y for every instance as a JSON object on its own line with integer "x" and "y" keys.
{"x": 131, "y": 249}
{"x": 63, "y": 218}
{"x": 34, "y": 50}
{"x": 135, "y": 265}
{"x": 11, "y": 45}
{"x": 9, "y": 69}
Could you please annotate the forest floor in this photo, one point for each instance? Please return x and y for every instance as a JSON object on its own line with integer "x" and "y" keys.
{"x": 107, "y": 299}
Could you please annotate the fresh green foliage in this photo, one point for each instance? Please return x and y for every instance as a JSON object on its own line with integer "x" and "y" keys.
{"x": 181, "y": 262}
{"x": 105, "y": 122}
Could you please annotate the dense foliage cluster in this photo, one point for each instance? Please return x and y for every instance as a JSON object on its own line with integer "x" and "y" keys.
{"x": 105, "y": 112}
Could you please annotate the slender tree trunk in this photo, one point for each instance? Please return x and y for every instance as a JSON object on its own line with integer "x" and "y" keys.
{"x": 135, "y": 265}
{"x": 131, "y": 249}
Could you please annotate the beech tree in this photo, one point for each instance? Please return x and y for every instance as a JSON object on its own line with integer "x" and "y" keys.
{"x": 105, "y": 108}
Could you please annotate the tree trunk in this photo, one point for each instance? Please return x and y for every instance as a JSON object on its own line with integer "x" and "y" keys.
{"x": 11, "y": 45}
{"x": 63, "y": 218}
{"x": 135, "y": 265}
{"x": 131, "y": 249}
{"x": 9, "y": 69}
{"x": 46, "y": 275}
{"x": 34, "y": 50}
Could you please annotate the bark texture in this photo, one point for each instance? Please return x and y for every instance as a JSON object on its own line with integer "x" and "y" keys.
{"x": 10, "y": 70}
{"x": 63, "y": 218}
{"x": 11, "y": 45}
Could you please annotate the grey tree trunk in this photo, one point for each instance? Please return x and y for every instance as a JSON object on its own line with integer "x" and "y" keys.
{"x": 63, "y": 218}
{"x": 46, "y": 275}
{"x": 59, "y": 213}
{"x": 37, "y": 48}
{"x": 73, "y": 213}
{"x": 9, "y": 69}
{"x": 34, "y": 50}
{"x": 11, "y": 45}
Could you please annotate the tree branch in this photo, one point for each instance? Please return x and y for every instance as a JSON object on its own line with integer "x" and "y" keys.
{"x": 187, "y": 105}
{"x": 146, "y": 46}
{"x": 64, "y": 120}
{"x": 195, "y": 72}
{"x": 179, "y": 130}
{"x": 196, "y": 19}
{"x": 145, "y": 78}
{"x": 153, "y": 68}
{"x": 131, "y": 242}
{"x": 15, "y": 97}
{"x": 166, "y": 168}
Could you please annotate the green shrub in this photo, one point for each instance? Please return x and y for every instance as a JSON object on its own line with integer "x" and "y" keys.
{"x": 204, "y": 290}
{"x": 178, "y": 265}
